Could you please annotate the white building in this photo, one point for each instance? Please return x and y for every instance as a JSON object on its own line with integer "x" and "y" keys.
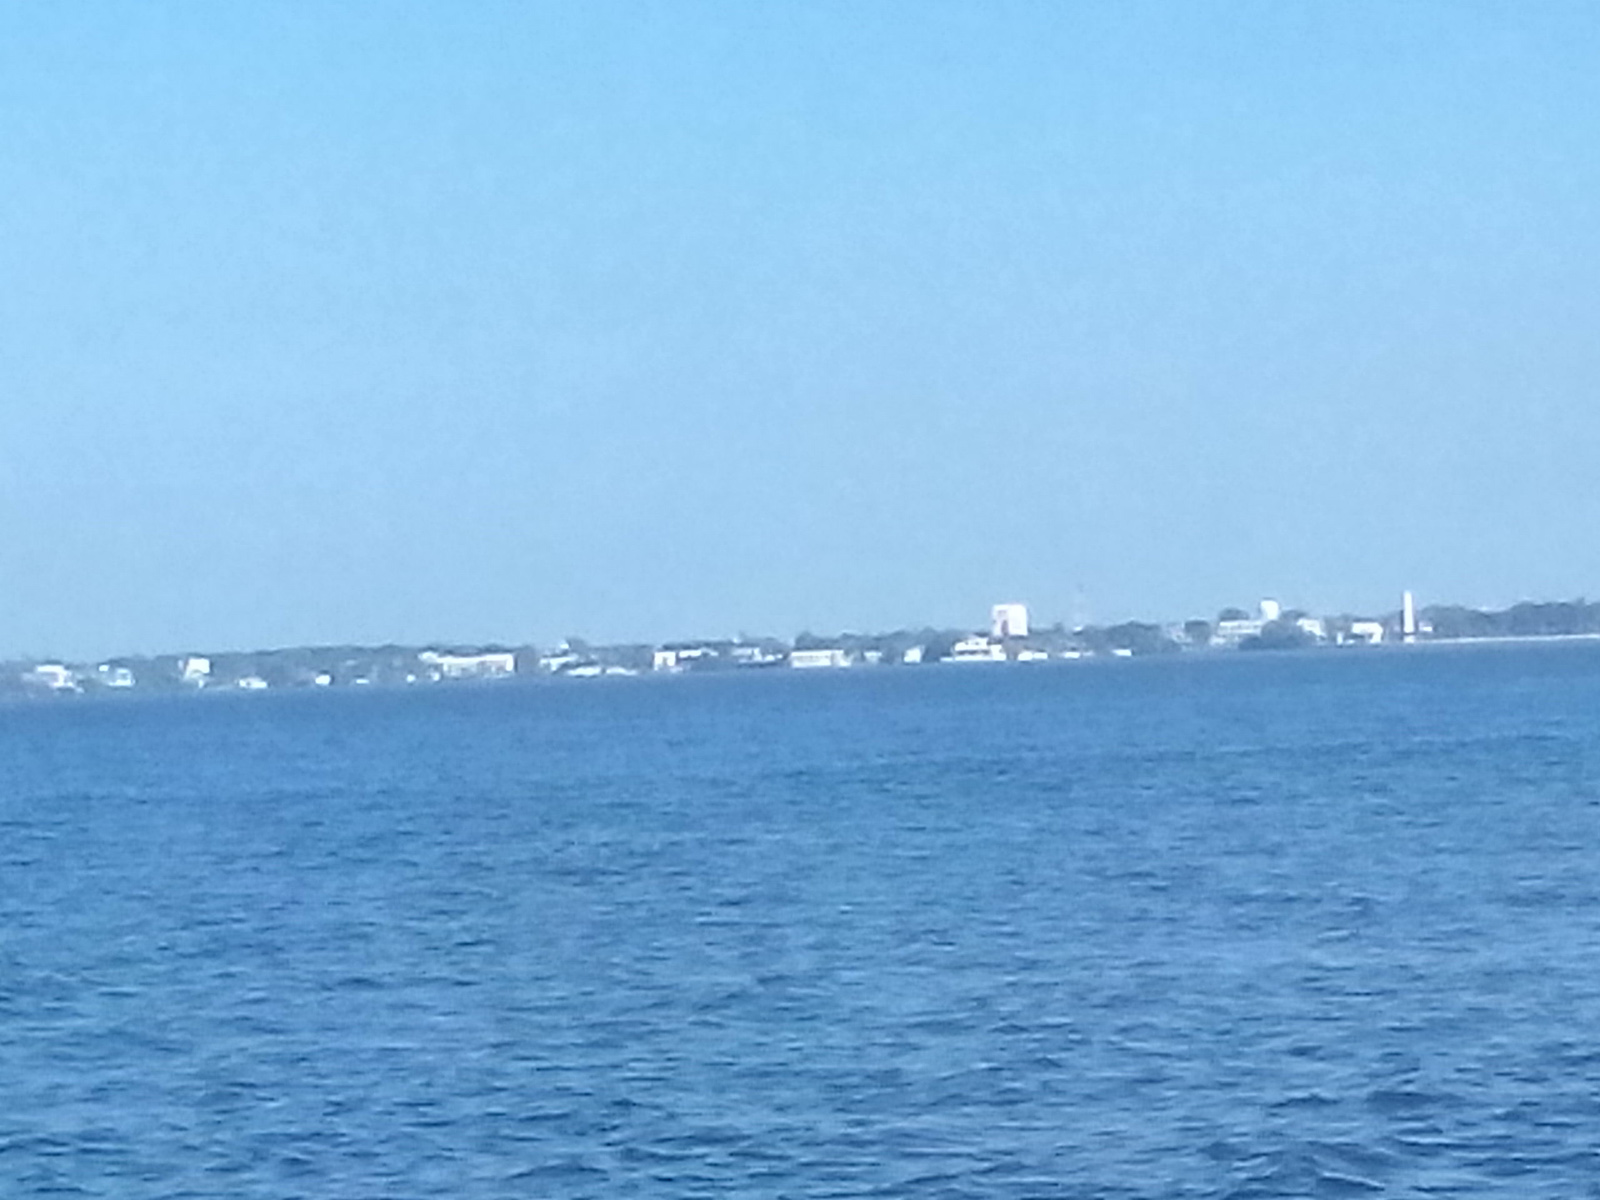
{"x": 58, "y": 677}
{"x": 913, "y": 655}
{"x": 114, "y": 677}
{"x": 195, "y": 670}
{"x": 831, "y": 657}
{"x": 665, "y": 660}
{"x": 1370, "y": 632}
{"x": 252, "y": 683}
{"x": 754, "y": 656}
{"x": 1231, "y": 633}
{"x": 1408, "y": 616}
{"x": 496, "y": 665}
{"x": 977, "y": 649}
{"x": 1008, "y": 620}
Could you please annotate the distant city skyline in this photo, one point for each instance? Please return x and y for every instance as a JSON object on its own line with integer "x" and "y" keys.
{"x": 1011, "y": 622}
{"x": 1010, "y": 639}
{"x": 501, "y": 322}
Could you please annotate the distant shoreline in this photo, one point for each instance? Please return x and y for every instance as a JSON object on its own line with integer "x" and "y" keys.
{"x": 1012, "y": 638}
{"x": 1500, "y": 639}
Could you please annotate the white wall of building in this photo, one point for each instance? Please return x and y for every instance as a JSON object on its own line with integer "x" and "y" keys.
{"x": 977, "y": 649}
{"x": 807, "y": 659}
{"x": 1008, "y": 620}
{"x": 470, "y": 666}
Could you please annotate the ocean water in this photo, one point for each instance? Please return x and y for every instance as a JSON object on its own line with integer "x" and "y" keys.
{"x": 1247, "y": 926}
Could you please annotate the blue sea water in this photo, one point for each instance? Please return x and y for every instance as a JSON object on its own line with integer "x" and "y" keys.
{"x": 1241, "y": 926}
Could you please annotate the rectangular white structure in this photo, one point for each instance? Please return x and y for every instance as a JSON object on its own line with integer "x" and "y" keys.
{"x": 58, "y": 677}
{"x": 1370, "y": 632}
{"x": 977, "y": 649}
{"x": 819, "y": 658}
{"x": 496, "y": 665}
{"x": 1231, "y": 633}
{"x": 1008, "y": 620}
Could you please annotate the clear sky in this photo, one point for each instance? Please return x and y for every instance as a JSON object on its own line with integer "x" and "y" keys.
{"x": 467, "y": 320}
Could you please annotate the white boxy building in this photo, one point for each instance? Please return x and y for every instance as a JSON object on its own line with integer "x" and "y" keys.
{"x": 496, "y": 665}
{"x": 112, "y": 676}
{"x": 1008, "y": 621}
{"x": 830, "y": 657}
{"x": 977, "y": 649}
{"x": 58, "y": 677}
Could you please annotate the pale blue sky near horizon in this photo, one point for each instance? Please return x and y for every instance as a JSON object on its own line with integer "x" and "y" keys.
{"x": 499, "y": 321}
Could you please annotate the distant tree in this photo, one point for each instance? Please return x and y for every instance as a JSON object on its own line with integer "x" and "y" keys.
{"x": 939, "y": 643}
{"x": 1232, "y": 614}
{"x": 1198, "y": 632}
{"x": 1139, "y": 637}
{"x": 1278, "y": 635}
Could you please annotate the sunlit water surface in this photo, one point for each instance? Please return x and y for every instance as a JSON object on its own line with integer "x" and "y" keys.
{"x": 1249, "y": 926}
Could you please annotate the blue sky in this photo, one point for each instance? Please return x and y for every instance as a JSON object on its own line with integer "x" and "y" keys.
{"x": 487, "y": 321}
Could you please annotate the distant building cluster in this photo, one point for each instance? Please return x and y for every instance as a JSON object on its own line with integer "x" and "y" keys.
{"x": 1011, "y": 637}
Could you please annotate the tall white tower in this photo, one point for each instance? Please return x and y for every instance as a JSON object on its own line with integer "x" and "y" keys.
{"x": 1408, "y": 617}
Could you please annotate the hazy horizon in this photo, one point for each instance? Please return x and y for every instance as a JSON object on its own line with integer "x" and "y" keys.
{"x": 504, "y": 322}
{"x": 1039, "y": 622}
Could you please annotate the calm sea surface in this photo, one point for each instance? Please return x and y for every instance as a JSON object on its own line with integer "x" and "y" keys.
{"x": 1252, "y": 926}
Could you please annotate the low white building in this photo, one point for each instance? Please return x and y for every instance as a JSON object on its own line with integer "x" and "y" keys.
{"x": 195, "y": 670}
{"x": 1313, "y": 628}
{"x": 828, "y": 657}
{"x": 496, "y": 665}
{"x": 679, "y": 656}
{"x": 1231, "y": 633}
{"x": 977, "y": 649}
{"x": 754, "y": 656}
{"x": 113, "y": 677}
{"x": 58, "y": 677}
{"x": 1368, "y": 632}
